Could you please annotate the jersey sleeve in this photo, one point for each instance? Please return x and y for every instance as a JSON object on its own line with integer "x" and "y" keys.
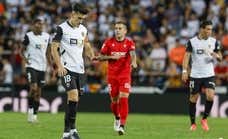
{"x": 217, "y": 46}
{"x": 131, "y": 45}
{"x": 104, "y": 49}
{"x": 58, "y": 35}
{"x": 26, "y": 40}
{"x": 189, "y": 46}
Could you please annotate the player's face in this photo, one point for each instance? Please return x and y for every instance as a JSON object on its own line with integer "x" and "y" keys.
{"x": 38, "y": 26}
{"x": 120, "y": 30}
{"x": 207, "y": 31}
{"x": 77, "y": 18}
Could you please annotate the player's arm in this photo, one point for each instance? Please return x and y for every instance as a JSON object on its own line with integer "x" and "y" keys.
{"x": 102, "y": 57}
{"x": 88, "y": 49}
{"x": 185, "y": 64}
{"x": 105, "y": 53}
{"x": 55, "y": 53}
{"x": 48, "y": 55}
{"x": 133, "y": 59}
{"x": 23, "y": 48}
{"x": 217, "y": 53}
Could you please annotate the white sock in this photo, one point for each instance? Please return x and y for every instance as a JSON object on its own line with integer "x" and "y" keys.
{"x": 73, "y": 130}
{"x": 66, "y": 134}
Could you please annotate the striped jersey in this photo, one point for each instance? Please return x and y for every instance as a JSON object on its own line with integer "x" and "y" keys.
{"x": 36, "y": 47}
{"x": 71, "y": 41}
{"x": 202, "y": 65}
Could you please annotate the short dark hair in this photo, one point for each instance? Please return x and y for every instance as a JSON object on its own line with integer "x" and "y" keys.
{"x": 77, "y": 7}
{"x": 121, "y": 22}
{"x": 205, "y": 23}
{"x": 37, "y": 20}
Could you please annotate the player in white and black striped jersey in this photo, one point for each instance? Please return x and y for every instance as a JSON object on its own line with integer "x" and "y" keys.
{"x": 67, "y": 49}
{"x": 35, "y": 53}
{"x": 200, "y": 53}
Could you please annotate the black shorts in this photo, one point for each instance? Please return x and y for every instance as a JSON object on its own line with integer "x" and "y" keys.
{"x": 71, "y": 80}
{"x": 196, "y": 84}
{"x": 35, "y": 76}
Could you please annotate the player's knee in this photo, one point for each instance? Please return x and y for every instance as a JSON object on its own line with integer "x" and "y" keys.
{"x": 193, "y": 98}
{"x": 123, "y": 94}
{"x": 114, "y": 99}
{"x": 210, "y": 94}
{"x": 34, "y": 88}
{"x": 73, "y": 95}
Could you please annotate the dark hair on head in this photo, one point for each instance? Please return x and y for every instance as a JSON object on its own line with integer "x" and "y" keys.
{"x": 77, "y": 7}
{"x": 205, "y": 23}
{"x": 122, "y": 22}
{"x": 37, "y": 20}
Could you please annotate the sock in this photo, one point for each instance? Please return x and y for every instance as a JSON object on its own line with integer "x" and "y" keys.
{"x": 207, "y": 110}
{"x": 192, "y": 112}
{"x": 36, "y": 106}
{"x": 30, "y": 102}
{"x": 66, "y": 119}
{"x": 115, "y": 110}
{"x": 72, "y": 113}
{"x": 123, "y": 107}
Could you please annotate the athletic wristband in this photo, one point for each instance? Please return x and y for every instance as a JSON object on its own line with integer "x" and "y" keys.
{"x": 184, "y": 71}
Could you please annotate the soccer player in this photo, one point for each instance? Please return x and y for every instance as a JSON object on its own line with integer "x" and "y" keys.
{"x": 202, "y": 49}
{"x": 120, "y": 53}
{"x": 35, "y": 53}
{"x": 67, "y": 50}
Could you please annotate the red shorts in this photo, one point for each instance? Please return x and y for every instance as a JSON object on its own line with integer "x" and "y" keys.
{"x": 117, "y": 85}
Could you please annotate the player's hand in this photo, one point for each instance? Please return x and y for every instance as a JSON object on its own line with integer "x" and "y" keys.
{"x": 134, "y": 64}
{"x": 184, "y": 76}
{"x": 61, "y": 71}
{"x": 215, "y": 55}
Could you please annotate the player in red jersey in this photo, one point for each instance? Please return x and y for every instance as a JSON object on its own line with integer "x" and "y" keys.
{"x": 120, "y": 53}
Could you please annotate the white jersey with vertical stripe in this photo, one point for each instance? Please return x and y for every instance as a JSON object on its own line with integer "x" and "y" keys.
{"x": 71, "y": 47}
{"x": 202, "y": 65}
{"x": 36, "y": 49}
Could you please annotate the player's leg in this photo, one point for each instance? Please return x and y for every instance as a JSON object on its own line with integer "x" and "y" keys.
{"x": 194, "y": 86}
{"x": 32, "y": 79}
{"x": 69, "y": 83}
{"x": 37, "y": 94}
{"x": 123, "y": 108}
{"x": 209, "y": 91}
{"x": 123, "y": 102}
{"x": 114, "y": 105}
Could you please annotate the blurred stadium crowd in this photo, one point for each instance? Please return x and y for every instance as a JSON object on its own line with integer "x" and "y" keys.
{"x": 160, "y": 29}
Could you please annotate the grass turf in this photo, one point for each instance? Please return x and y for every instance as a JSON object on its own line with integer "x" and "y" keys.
{"x": 100, "y": 126}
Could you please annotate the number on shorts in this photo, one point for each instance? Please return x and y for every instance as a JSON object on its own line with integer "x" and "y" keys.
{"x": 29, "y": 76}
{"x": 191, "y": 84}
{"x": 67, "y": 78}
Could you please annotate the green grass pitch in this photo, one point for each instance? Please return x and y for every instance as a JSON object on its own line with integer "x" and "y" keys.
{"x": 100, "y": 126}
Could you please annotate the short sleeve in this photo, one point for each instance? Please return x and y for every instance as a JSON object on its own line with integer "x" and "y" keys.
{"x": 58, "y": 34}
{"x": 104, "y": 48}
{"x": 217, "y": 46}
{"x": 26, "y": 40}
{"x": 189, "y": 46}
{"x": 131, "y": 45}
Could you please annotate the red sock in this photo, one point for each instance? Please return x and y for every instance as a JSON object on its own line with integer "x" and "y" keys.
{"x": 115, "y": 109}
{"x": 123, "y": 110}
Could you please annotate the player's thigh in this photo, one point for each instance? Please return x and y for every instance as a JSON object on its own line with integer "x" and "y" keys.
{"x": 32, "y": 75}
{"x": 195, "y": 85}
{"x": 41, "y": 79}
{"x": 124, "y": 86}
{"x": 209, "y": 82}
{"x": 69, "y": 81}
{"x": 209, "y": 85}
{"x": 113, "y": 88}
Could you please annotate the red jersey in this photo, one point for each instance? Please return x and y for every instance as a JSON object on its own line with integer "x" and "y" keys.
{"x": 122, "y": 66}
